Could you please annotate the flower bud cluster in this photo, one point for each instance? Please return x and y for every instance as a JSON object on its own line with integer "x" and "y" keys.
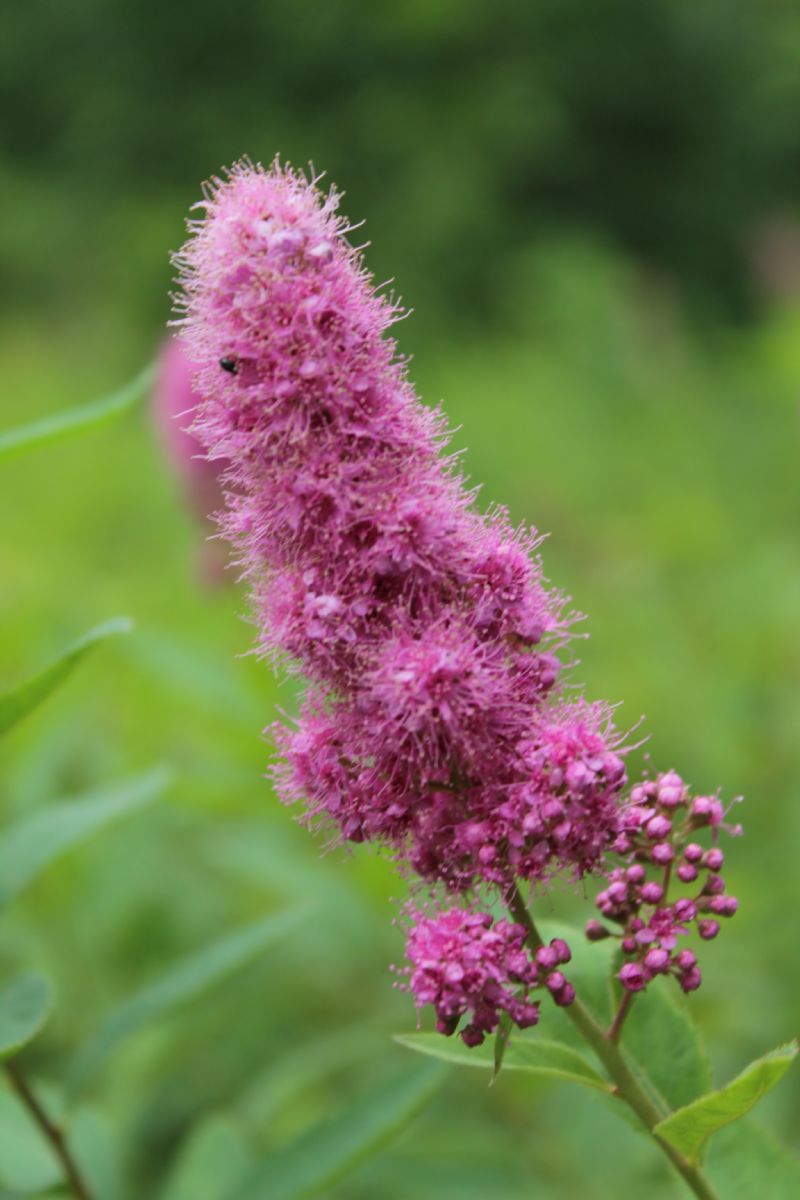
{"x": 657, "y": 840}
{"x": 462, "y": 962}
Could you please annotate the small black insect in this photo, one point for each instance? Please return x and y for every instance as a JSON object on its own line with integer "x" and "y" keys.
{"x": 228, "y": 364}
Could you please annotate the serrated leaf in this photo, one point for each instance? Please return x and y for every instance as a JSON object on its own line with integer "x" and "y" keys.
{"x": 75, "y": 420}
{"x": 25, "y": 1005}
{"x": 34, "y": 842}
{"x": 214, "y": 1159}
{"x": 192, "y": 976}
{"x": 18, "y": 701}
{"x": 745, "y": 1160}
{"x": 328, "y": 1152}
{"x": 660, "y": 1035}
{"x": 690, "y": 1127}
{"x": 536, "y": 1056}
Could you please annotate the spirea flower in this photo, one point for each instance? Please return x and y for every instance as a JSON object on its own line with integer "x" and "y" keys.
{"x": 432, "y": 720}
{"x": 424, "y": 627}
{"x": 462, "y": 962}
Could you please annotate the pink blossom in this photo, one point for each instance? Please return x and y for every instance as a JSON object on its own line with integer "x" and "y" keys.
{"x": 424, "y": 628}
{"x": 462, "y": 963}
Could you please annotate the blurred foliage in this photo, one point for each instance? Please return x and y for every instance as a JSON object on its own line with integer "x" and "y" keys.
{"x": 569, "y": 192}
{"x": 464, "y": 130}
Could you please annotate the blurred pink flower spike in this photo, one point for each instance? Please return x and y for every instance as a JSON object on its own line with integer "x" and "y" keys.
{"x": 174, "y": 403}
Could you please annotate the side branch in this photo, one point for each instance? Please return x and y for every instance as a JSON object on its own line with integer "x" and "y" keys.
{"x": 51, "y": 1131}
{"x": 628, "y": 1087}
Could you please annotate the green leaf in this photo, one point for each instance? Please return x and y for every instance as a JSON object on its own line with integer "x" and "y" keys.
{"x": 25, "y": 1006}
{"x": 92, "y": 1142}
{"x": 27, "y": 1162}
{"x": 182, "y": 983}
{"x": 745, "y": 1160}
{"x": 214, "y": 1159}
{"x": 75, "y": 420}
{"x": 660, "y": 1035}
{"x": 690, "y": 1127}
{"x": 501, "y": 1037}
{"x": 28, "y": 695}
{"x": 328, "y": 1152}
{"x": 535, "y": 1055}
{"x": 33, "y": 843}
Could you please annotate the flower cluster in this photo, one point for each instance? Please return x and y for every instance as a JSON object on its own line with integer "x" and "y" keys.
{"x": 657, "y": 839}
{"x": 425, "y": 629}
{"x": 461, "y": 963}
{"x": 432, "y": 721}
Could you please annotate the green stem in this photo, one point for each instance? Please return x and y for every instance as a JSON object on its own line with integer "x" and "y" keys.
{"x": 51, "y": 1131}
{"x": 615, "y": 1029}
{"x": 628, "y": 1087}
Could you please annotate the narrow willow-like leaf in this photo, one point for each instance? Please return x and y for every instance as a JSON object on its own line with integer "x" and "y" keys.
{"x": 192, "y": 976}
{"x": 75, "y": 420}
{"x": 18, "y": 701}
{"x": 536, "y": 1056}
{"x": 328, "y": 1152}
{"x": 690, "y": 1127}
{"x": 214, "y": 1160}
{"x": 34, "y": 842}
{"x": 25, "y": 1005}
{"x": 501, "y": 1038}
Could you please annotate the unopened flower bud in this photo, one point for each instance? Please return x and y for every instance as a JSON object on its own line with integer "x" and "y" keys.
{"x": 658, "y": 827}
{"x": 713, "y": 859}
{"x": 565, "y": 997}
{"x": 657, "y": 960}
{"x": 555, "y": 981}
{"x": 546, "y": 957}
{"x": 562, "y": 950}
{"x": 724, "y": 906}
{"x": 708, "y": 929}
{"x": 687, "y": 872}
{"x": 693, "y": 853}
{"x": 652, "y": 892}
{"x": 595, "y": 931}
{"x": 690, "y": 980}
{"x": 662, "y": 853}
{"x": 633, "y": 977}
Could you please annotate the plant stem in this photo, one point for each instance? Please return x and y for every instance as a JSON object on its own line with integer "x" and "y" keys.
{"x": 51, "y": 1131}
{"x": 628, "y": 1087}
{"x": 615, "y": 1029}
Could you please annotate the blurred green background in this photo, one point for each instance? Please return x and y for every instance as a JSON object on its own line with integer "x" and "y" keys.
{"x": 593, "y": 207}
